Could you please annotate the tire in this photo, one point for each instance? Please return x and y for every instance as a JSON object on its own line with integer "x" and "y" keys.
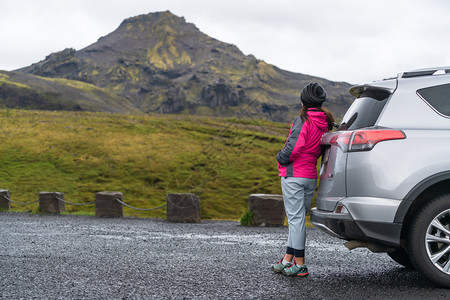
{"x": 429, "y": 240}
{"x": 401, "y": 257}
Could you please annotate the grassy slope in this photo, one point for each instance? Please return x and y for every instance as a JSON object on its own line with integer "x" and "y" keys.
{"x": 26, "y": 91}
{"x": 144, "y": 157}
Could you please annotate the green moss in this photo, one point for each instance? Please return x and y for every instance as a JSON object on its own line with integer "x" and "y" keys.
{"x": 73, "y": 83}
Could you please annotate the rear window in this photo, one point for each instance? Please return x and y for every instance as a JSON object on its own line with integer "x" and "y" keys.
{"x": 364, "y": 111}
{"x": 438, "y": 97}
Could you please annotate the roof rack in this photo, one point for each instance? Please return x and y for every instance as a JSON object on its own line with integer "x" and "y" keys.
{"x": 425, "y": 72}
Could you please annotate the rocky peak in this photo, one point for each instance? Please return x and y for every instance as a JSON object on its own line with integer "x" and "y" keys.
{"x": 157, "y": 18}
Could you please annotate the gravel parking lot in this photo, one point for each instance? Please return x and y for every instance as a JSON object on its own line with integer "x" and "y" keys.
{"x": 83, "y": 257}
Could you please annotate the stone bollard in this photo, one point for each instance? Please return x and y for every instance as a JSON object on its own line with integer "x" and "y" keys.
{"x": 5, "y": 196}
{"x": 107, "y": 206}
{"x": 183, "y": 208}
{"x": 267, "y": 209}
{"x": 49, "y": 202}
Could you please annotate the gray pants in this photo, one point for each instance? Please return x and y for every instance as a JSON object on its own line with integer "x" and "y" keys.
{"x": 297, "y": 196}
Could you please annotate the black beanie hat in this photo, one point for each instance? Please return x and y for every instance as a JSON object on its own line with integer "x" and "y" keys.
{"x": 313, "y": 95}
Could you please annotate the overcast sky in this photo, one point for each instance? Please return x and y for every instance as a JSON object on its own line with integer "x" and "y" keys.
{"x": 347, "y": 40}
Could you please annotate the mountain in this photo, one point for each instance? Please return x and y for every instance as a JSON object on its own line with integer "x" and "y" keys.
{"x": 160, "y": 63}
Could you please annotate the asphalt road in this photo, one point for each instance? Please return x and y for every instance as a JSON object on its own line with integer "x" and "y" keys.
{"x": 81, "y": 257}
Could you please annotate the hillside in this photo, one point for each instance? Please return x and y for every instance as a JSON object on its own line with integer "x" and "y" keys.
{"x": 143, "y": 156}
{"x": 160, "y": 63}
{"x": 26, "y": 91}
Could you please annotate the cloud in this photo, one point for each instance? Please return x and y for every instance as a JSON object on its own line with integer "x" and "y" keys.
{"x": 343, "y": 40}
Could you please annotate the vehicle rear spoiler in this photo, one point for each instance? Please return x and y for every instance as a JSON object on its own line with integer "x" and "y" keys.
{"x": 379, "y": 89}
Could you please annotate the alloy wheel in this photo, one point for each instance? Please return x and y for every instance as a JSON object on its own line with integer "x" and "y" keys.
{"x": 437, "y": 241}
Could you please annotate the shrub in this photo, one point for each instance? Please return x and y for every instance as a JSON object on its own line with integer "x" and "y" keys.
{"x": 247, "y": 219}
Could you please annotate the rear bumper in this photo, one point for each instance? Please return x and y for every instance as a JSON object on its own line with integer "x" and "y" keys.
{"x": 343, "y": 226}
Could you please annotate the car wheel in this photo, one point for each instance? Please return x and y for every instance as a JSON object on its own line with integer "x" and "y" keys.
{"x": 401, "y": 256}
{"x": 429, "y": 240}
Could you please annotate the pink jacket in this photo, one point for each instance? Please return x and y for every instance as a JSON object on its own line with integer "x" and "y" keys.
{"x": 302, "y": 148}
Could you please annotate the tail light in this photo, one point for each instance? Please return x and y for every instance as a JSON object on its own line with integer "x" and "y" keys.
{"x": 364, "y": 140}
{"x": 341, "y": 139}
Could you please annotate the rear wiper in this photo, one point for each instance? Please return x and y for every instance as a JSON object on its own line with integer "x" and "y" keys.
{"x": 346, "y": 125}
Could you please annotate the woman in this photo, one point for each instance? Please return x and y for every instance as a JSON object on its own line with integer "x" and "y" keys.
{"x": 297, "y": 166}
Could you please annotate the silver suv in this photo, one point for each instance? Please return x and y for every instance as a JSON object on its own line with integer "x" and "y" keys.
{"x": 385, "y": 175}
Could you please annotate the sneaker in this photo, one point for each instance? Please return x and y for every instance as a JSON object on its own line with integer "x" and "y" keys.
{"x": 279, "y": 267}
{"x": 294, "y": 270}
